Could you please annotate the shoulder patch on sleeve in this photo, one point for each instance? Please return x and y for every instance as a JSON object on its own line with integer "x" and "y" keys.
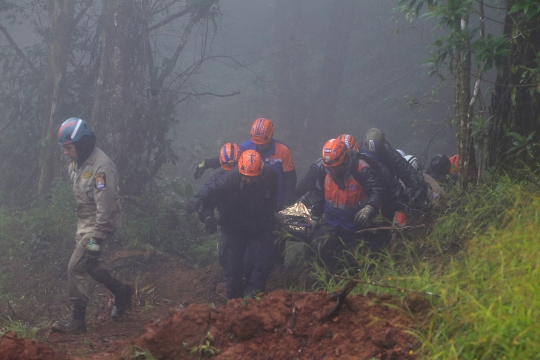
{"x": 100, "y": 180}
{"x": 362, "y": 164}
{"x": 87, "y": 174}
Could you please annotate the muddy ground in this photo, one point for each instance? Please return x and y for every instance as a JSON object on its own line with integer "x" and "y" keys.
{"x": 180, "y": 312}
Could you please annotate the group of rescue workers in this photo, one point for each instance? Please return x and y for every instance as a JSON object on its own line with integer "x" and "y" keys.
{"x": 346, "y": 188}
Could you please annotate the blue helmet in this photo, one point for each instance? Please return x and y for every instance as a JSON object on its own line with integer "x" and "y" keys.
{"x": 72, "y": 130}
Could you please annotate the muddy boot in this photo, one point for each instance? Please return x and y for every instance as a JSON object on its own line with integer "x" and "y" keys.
{"x": 122, "y": 300}
{"x": 75, "y": 325}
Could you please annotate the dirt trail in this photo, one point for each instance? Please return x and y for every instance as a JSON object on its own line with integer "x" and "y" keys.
{"x": 171, "y": 317}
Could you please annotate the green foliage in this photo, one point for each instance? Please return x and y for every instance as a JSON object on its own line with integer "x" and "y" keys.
{"x": 137, "y": 353}
{"x": 489, "y": 305}
{"x": 523, "y": 143}
{"x": 490, "y": 51}
{"x": 529, "y": 8}
{"x": 22, "y": 328}
{"x": 485, "y": 299}
{"x": 205, "y": 349}
{"x": 36, "y": 232}
{"x": 155, "y": 221}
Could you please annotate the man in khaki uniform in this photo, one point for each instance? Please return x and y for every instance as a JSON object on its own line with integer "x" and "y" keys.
{"x": 95, "y": 184}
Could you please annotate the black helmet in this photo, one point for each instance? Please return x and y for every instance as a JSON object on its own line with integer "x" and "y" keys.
{"x": 440, "y": 165}
{"x": 373, "y": 140}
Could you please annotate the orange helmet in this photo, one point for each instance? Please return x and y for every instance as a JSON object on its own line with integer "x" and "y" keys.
{"x": 262, "y": 131}
{"x": 333, "y": 152}
{"x": 250, "y": 163}
{"x": 229, "y": 155}
{"x": 349, "y": 140}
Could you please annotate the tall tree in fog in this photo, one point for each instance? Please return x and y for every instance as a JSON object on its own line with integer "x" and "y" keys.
{"x": 323, "y": 105}
{"x": 305, "y": 102}
{"x": 289, "y": 65}
{"x": 122, "y": 65}
{"x": 514, "y": 135}
{"x": 515, "y": 107}
{"x": 136, "y": 91}
{"x": 61, "y": 17}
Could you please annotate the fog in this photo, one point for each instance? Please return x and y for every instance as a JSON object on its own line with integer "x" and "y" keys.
{"x": 182, "y": 83}
{"x": 383, "y": 84}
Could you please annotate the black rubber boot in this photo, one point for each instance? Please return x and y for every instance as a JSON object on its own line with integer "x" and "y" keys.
{"x": 122, "y": 301}
{"x": 75, "y": 325}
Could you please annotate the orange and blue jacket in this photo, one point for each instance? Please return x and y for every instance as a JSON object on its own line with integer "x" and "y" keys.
{"x": 343, "y": 197}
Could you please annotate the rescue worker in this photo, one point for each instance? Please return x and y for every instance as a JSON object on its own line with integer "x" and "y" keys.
{"x": 228, "y": 159}
{"x": 247, "y": 198}
{"x": 439, "y": 167}
{"x": 275, "y": 154}
{"x": 454, "y": 168}
{"x": 376, "y": 146}
{"x": 350, "y": 195}
{"x": 95, "y": 184}
{"x": 309, "y": 181}
{"x": 413, "y": 160}
{"x": 454, "y": 162}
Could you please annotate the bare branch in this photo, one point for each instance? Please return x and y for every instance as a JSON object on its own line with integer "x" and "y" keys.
{"x": 81, "y": 13}
{"x": 18, "y": 50}
{"x": 170, "y": 18}
{"x": 211, "y": 93}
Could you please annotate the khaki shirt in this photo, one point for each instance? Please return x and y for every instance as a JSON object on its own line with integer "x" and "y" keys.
{"x": 97, "y": 198}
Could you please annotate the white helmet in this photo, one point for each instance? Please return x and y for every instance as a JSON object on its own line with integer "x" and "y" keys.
{"x": 411, "y": 159}
{"x": 401, "y": 152}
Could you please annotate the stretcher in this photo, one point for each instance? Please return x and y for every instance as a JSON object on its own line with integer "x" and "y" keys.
{"x": 294, "y": 223}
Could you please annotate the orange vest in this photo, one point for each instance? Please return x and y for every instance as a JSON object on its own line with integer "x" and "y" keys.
{"x": 350, "y": 197}
{"x": 454, "y": 162}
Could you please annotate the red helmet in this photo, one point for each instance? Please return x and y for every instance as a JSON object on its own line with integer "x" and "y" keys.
{"x": 333, "y": 152}
{"x": 229, "y": 155}
{"x": 349, "y": 140}
{"x": 262, "y": 131}
{"x": 250, "y": 163}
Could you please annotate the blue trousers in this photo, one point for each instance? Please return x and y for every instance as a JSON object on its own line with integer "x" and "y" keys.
{"x": 232, "y": 250}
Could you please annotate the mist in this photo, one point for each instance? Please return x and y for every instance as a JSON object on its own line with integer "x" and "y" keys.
{"x": 383, "y": 83}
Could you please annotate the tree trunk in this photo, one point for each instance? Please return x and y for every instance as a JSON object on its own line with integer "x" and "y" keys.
{"x": 290, "y": 77}
{"x": 61, "y": 14}
{"x": 467, "y": 161}
{"x": 515, "y": 104}
{"x": 323, "y": 106}
{"x": 115, "y": 111}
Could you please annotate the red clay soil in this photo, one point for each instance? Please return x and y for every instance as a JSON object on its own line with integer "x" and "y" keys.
{"x": 12, "y": 347}
{"x": 286, "y": 325}
{"x": 280, "y": 325}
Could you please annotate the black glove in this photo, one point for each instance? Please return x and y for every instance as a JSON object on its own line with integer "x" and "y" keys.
{"x": 193, "y": 205}
{"x": 418, "y": 197}
{"x": 199, "y": 171}
{"x": 211, "y": 224}
{"x": 313, "y": 224}
{"x": 93, "y": 249}
{"x": 364, "y": 215}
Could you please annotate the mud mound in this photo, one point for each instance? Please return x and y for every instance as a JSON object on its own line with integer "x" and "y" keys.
{"x": 12, "y": 347}
{"x": 285, "y": 325}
